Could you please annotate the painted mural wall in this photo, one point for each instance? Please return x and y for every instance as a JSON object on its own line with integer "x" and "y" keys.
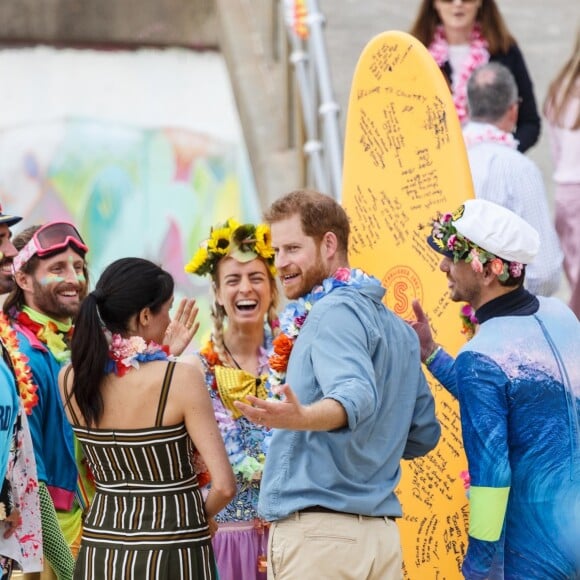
{"x": 143, "y": 151}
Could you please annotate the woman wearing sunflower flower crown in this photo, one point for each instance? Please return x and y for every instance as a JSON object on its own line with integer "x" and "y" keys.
{"x": 240, "y": 261}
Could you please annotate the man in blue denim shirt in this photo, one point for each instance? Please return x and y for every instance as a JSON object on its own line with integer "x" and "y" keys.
{"x": 358, "y": 404}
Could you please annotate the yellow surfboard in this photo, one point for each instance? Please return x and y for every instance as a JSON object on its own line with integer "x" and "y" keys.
{"x": 405, "y": 160}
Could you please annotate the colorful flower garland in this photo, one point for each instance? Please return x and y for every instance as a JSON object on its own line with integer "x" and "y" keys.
{"x": 478, "y": 56}
{"x": 244, "y": 242}
{"x": 127, "y": 353}
{"x": 448, "y": 240}
{"x": 24, "y": 380}
{"x": 47, "y": 331}
{"x": 468, "y": 320}
{"x": 248, "y": 467}
{"x": 294, "y": 316}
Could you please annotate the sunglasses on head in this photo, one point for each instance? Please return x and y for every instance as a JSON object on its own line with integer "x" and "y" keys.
{"x": 48, "y": 239}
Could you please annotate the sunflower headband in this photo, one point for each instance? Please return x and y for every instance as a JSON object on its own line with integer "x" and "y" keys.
{"x": 243, "y": 242}
{"x": 446, "y": 240}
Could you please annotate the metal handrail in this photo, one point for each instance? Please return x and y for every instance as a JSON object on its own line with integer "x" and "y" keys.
{"x": 304, "y": 25}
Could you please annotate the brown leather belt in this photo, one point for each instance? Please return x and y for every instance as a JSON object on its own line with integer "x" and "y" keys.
{"x": 325, "y": 510}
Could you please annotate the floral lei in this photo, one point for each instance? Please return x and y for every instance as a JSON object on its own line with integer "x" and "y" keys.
{"x": 295, "y": 314}
{"x": 24, "y": 380}
{"x": 478, "y": 55}
{"x": 57, "y": 341}
{"x": 468, "y": 320}
{"x": 127, "y": 353}
{"x": 248, "y": 467}
{"x": 475, "y": 133}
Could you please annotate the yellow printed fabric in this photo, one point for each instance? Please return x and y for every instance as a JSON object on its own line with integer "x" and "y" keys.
{"x": 236, "y": 385}
{"x": 488, "y": 506}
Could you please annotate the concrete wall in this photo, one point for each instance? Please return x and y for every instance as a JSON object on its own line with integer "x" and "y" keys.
{"x": 132, "y": 22}
{"x": 142, "y": 149}
{"x": 250, "y": 35}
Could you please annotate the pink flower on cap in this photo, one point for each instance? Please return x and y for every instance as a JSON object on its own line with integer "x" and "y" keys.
{"x": 475, "y": 261}
{"x": 516, "y": 269}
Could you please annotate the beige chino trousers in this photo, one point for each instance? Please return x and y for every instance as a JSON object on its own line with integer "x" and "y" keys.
{"x": 333, "y": 546}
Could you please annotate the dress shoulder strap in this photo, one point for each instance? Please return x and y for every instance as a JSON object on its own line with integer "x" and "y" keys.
{"x": 164, "y": 393}
{"x": 67, "y": 395}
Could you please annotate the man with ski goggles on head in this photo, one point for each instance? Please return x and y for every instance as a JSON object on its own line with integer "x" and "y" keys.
{"x": 51, "y": 281}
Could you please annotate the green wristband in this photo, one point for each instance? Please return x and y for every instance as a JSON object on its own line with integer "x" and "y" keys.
{"x": 432, "y": 356}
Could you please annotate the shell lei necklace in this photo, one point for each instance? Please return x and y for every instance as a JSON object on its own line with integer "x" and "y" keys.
{"x": 294, "y": 316}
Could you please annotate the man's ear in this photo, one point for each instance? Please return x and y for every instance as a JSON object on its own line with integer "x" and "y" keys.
{"x": 488, "y": 277}
{"x": 329, "y": 244}
{"x": 24, "y": 281}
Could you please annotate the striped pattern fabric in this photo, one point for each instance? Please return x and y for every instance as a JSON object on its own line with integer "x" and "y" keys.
{"x": 147, "y": 519}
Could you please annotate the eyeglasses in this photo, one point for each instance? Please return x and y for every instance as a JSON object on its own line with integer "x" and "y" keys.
{"x": 48, "y": 239}
{"x": 462, "y": 1}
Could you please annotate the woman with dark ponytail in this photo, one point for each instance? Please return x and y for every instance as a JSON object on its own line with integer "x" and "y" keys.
{"x": 140, "y": 417}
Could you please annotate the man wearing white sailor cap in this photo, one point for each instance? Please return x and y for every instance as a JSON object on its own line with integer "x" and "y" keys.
{"x": 518, "y": 385}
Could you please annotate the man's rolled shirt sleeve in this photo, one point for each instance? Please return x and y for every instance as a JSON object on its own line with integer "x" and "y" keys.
{"x": 425, "y": 429}
{"x": 342, "y": 364}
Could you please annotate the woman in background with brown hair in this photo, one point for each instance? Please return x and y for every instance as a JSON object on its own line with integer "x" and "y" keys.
{"x": 462, "y": 35}
{"x": 562, "y": 111}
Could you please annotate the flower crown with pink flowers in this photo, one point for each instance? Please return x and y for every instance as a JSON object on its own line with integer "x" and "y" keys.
{"x": 446, "y": 240}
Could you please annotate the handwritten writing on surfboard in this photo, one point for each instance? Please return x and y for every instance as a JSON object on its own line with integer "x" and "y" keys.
{"x": 404, "y": 162}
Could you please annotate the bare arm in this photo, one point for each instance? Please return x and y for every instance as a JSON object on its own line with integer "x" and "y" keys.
{"x": 203, "y": 429}
{"x": 324, "y": 415}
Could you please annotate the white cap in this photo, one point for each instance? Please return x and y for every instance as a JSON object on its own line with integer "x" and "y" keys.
{"x": 497, "y": 230}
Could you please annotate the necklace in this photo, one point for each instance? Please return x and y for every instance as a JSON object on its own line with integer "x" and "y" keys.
{"x": 238, "y": 437}
{"x": 475, "y": 133}
{"x": 478, "y": 55}
{"x": 232, "y": 356}
{"x": 55, "y": 335}
{"x": 294, "y": 316}
{"x": 22, "y": 371}
{"x": 468, "y": 321}
{"x": 127, "y": 353}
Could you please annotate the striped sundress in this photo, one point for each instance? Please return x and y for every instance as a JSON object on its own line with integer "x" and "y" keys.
{"x": 147, "y": 519}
